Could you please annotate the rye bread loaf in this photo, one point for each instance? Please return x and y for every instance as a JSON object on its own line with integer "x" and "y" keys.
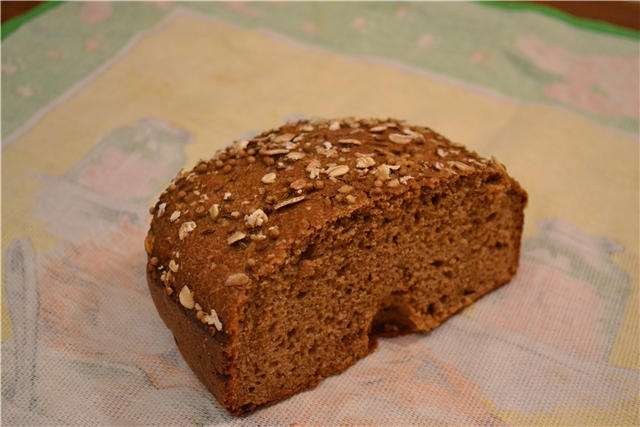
{"x": 279, "y": 261}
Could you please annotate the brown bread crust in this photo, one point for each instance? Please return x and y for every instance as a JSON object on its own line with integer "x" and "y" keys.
{"x": 255, "y": 256}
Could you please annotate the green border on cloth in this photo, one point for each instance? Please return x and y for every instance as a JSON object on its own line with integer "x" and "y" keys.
{"x": 589, "y": 24}
{"x": 14, "y": 23}
{"x": 604, "y": 27}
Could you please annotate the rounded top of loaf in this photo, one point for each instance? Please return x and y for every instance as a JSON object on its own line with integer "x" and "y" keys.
{"x": 231, "y": 220}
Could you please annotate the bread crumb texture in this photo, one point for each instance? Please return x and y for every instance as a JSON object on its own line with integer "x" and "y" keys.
{"x": 287, "y": 254}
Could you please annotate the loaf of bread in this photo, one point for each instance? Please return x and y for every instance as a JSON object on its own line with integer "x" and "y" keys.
{"x": 278, "y": 262}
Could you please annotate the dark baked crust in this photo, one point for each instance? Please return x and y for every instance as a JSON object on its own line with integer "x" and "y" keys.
{"x": 273, "y": 195}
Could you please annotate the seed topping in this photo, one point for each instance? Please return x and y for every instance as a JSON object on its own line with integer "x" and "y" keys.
{"x": 298, "y": 184}
{"x": 174, "y": 216}
{"x": 337, "y": 170}
{"x": 412, "y": 134}
{"x": 235, "y": 237}
{"x": 405, "y": 179}
{"x": 185, "y": 229}
{"x": 237, "y": 279}
{"x": 384, "y": 171}
{"x": 399, "y": 138}
{"x": 186, "y": 298}
{"x": 274, "y": 233}
{"x": 213, "y": 319}
{"x": 296, "y": 155}
{"x": 240, "y": 145}
{"x": 289, "y": 202}
{"x": 365, "y": 162}
{"x": 214, "y": 211}
{"x": 256, "y": 219}
{"x": 463, "y": 167}
{"x": 313, "y": 168}
{"x": 269, "y": 178}
{"x": 283, "y": 138}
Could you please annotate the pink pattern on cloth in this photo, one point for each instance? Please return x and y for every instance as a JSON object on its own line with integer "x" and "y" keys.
{"x": 91, "y": 296}
{"x": 118, "y": 170}
{"x": 163, "y": 5}
{"x": 242, "y": 8}
{"x": 93, "y": 12}
{"x": 479, "y": 58}
{"x": 601, "y": 84}
{"x": 553, "y": 308}
{"x": 426, "y": 41}
{"x": 309, "y": 27}
{"x": 433, "y": 392}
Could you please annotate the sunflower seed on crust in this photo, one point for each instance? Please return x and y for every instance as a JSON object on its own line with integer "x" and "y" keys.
{"x": 283, "y": 138}
{"x": 276, "y": 151}
{"x": 186, "y": 299}
{"x": 400, "y": 139}
{"x": 337, "y": 170}
{"x": 214, "y": 211}
{"x": 296, "y": 155}
{"x": 288, "y": 202}
{"x": 256, "y": 219}
{"x": 298, "y": 184}
{"x": 213, "y": 319}
{"x": 240, "y": 145}
{"x": 235, "y": 237}
{"x": 313, "y": 168}
{"x": 237, "y": 279}
{"x": 185, "y": 229}
{"x": 365, "y": 162}
{"x": 463, "y": 167}
{"x": 405, "y": 179}
{"x": 269, "y": 178}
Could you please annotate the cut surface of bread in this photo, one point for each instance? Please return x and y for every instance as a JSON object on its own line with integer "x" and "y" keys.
{"x": 278, "y": 262}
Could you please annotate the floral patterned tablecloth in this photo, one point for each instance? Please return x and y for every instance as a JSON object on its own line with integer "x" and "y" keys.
{"x": 103, "y": 103}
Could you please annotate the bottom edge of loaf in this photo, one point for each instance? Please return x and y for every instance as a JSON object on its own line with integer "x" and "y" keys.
{"x": 204, "y": 353}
